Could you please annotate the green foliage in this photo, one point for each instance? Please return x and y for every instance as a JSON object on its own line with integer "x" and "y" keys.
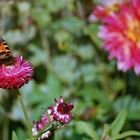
{"x": 83, "y": 127}
{"x": 14, "y": 136}
{"x": 65, "y": 51}
{"x": 118, "y": 123}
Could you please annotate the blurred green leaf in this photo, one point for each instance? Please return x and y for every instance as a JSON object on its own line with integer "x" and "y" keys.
{"x": 14, "y": 136}
{"x": 118, "y": 123}
{"x": 64, "y": 66}
{"x": 126, "y": 134}
{"x": 71, "y": 24}
{"x": 39, "y": 15}
{"x": 83, "y": 127}
{"x": 83, "y": 50}
{"x": 88, "y": 72}
{"x": 117, "y": 85}
{"x": 94, "y": 94}
{"x": 15, "y": 37}
{"x": 24, "y": 7}
{"x": 63, "y": 38}
{"x": 54, "y": 86}
{"x": 92, "y": 31}
{"x": 39, "y": 55}
{"x": 131, "y": 104}
{"x": 21, "y": 134}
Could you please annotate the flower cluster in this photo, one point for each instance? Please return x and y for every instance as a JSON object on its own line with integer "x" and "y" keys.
{"x": 39, "y": 125}
{"x": 15, "y": 75}
{"x": 60, "y": 112}
{"x": 120, "y": 32}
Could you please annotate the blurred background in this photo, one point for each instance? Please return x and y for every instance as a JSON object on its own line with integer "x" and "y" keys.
{"x": 62, "y": 45}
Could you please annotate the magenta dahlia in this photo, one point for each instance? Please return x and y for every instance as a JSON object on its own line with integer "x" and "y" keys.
{"x": 105, "y": 8}
{"x": 15, "y": 75}
{"x": 61, "y": 111}
{"x": 121, "y": 36}
{"x": 40, "y": 125}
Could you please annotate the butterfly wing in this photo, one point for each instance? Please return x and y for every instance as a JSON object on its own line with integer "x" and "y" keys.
{"x": 6, "y": 56}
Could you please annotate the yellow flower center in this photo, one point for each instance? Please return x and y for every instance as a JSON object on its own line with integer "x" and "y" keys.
{"x": 113, "y": 8}
{"x": 133, "y": 31}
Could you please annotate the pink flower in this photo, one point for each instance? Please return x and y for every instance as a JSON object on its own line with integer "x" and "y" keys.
{"x": 105, "y": 8}
{"x": 40, "y": 125}
{"x": 15, "y": 75}
{"x": 61, "y": 111}
{"x": 58, "y": 113}
{"x": 121, "y": 35}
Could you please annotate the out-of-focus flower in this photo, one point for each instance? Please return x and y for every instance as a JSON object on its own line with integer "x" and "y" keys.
{"x": 40, "y": 125}
{"x": 105, "y": 8}
{"x": 121, "y": 35}
{"x": 61, "y": 111}
{"x": 15, "y": 75}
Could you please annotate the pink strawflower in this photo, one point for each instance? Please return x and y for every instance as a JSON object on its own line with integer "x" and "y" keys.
{"x": 15, "y": 75}
{"x": 105, "y": 8}
{"x": 61, "y": 111}
{"x": 121, "y": 35}
{"x": 40, "y": 125}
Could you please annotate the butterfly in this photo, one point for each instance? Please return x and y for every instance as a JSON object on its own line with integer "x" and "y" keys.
{"x": 6, "y": 56}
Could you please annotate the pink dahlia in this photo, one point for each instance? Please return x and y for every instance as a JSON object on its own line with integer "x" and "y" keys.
{"x": 61, "y": 111}
{"x": 121, "y": 35}
{"x": 105, "y": 8}
{"x": 15, "y": 75}
{"x": 40, "y": 125}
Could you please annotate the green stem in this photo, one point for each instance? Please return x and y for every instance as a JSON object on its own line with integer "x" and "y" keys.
{"x": 26, "y": 116}
{"x": 43, "y": 130}
{"x": 6, "y": 129}
{"x": 47, "y": 128}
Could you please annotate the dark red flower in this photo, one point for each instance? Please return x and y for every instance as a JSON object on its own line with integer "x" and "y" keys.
{"x": 61, "y": 111}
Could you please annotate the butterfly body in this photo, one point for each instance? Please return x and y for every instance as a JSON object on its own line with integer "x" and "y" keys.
{"x": 6, "y": 56}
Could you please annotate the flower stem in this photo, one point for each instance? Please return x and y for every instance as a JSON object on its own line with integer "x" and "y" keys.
{"x": 5, "y": 129}
{"x": 26, "y": 116}
{"x": 47, "y": 128}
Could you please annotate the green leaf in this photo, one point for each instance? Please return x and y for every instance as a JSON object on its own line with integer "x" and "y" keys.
{"x": 85, "y": 49}
{"x": 118, "y": 123}
{"x": 92, "y": 30}
{"x": 39, "y": 55}
{"x": 126, "y": 134}
{"x": 69, "y": 24}
{"x": 54, "y": 86}
{"x": 64, "y": 67}
{"x": 83, "y": 127}
{"x": 14, "y": 136}
{"x": 131, "y": 104}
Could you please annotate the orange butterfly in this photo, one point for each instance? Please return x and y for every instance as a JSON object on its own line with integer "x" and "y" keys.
{"x": 6, "y": 56}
